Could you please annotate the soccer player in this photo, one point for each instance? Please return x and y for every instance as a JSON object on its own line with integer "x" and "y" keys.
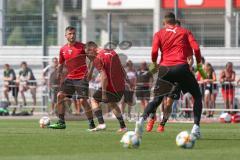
{"x": 73, "y": 57}
{"x": 169, "y": 100}
{"x": 113, "y": 79}
{"x": 174, "y": 70}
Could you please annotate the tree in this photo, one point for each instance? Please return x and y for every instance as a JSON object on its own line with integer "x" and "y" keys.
{"x": 16, "y": 37}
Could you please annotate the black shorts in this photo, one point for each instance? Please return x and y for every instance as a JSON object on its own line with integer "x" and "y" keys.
{"x": 75, "y": 86}
{"x": 128, "y": 96}
{"x": 143, "y": 92}
{"x": 111, "y": 96}
{"x": 171, "y": 80}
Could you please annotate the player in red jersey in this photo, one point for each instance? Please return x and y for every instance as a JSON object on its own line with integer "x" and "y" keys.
{"x": 167, "y": 107}
{"x": 72, "y": 56}
{"x": 113, "y": 79}
{"x": 173, "y": 42}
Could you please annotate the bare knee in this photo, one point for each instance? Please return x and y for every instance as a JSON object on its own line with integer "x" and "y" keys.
{"x": 60, "y": 96}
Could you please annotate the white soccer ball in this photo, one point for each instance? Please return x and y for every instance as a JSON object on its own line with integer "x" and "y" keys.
{"x": 185, "y": 140}
{"x": 44, "y": 122}
{"x": 225, "y": 118}
{"x": 131, "y": 140}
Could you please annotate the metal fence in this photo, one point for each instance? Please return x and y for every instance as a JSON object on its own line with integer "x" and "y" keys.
{"x": 22, "y": 23}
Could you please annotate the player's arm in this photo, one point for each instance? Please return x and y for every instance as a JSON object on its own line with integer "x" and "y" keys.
{"x": 60, "y": 65}
{"x": 155, "y": 47}
{"x": 197, "y": 53}
{"x": 104, "y": 83}
{"x": 90, "y": 71}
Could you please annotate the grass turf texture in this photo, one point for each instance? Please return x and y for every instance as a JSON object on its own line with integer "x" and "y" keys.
{"x": 24, "y": 140}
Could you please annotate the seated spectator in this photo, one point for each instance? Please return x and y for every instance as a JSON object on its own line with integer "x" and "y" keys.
{"x": 9, "y": 84}
{"x": 27, "y": 81}
{"x": 227, "y": 78}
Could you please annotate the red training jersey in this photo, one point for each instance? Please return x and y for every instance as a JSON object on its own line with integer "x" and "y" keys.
{"x": 108, "y": 61}
{"x": 176, "y": 44}
{"x": 74, "y": 58}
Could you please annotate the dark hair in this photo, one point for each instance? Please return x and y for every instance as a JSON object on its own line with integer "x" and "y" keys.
{"x": 24, "y": 63}
{"x": 229, "y": 63}
{"x": 169, "y": 18}
{"x": 178, "y": 22}
{"x": 70, "y": 28}
{"x": 91, "y": 44}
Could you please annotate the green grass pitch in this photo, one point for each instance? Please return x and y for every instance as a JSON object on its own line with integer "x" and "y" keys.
{"x": 24, "y": 140}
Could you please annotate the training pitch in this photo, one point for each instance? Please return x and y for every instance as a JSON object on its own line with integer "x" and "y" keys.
{"x": 25, "y": 140}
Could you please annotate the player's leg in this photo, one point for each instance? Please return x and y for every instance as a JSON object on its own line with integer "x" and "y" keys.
{"x": 162, "y": 88}
{"x": 189, "y": 84}
{"x": 82, "y": 90}
{"x": 122, "y": 105}
{"x": 113, "y": 99}
{"x": 67, "y": 89}
{"x": 167, "y": 110}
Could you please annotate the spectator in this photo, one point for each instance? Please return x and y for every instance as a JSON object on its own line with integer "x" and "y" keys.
{"x": 144, "y": 84}
{"x": 209, "y": 95}
{"x": 129, "y": 89}
{"x": 27, "y": 81}
{"x": 227, "y": 78}
{"x": 9, "y": 78}
{"x": 52, "y": 81}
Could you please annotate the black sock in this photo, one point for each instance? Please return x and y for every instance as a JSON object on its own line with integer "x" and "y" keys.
{"x": 61, "y": 118}
{"x": 197, "y": 110}
{"x": 121, "y": 122}
{"x": 98, "y": 114}
{"x": 91, "y": 123}
{"x": 152, "y": 115}
{"x": 163, "y": 121}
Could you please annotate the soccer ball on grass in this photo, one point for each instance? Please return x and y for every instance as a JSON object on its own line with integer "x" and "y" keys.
{"x": 44, "y": 122}
{"x": 131, "y": 140}
{"x": 185, "y": 140}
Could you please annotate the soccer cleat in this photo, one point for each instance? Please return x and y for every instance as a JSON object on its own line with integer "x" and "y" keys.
{"x": 139, "y": 128}
{"x": 58, "y": 125}
{"x": 150, "y": 125}
{"x": 196, "y": 131}
{"x": 122, "y": 130}
{"x": 101, "y": 127}
{"x": 160, "y": 128}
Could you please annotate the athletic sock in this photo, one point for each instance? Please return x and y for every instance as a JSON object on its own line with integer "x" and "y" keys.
{"x": 121, "y": 122}
{"x": 152, "y": 115}
{"x": 163, "y": 121}
{"x": 197, "y": 110}
{"x": 61, "y": 118}
{"x": 91, "y": 123}
{"x": 98, "y": 114}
